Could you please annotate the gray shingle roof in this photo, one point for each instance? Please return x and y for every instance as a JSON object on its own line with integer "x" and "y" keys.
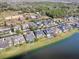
{"x": 3, "y": 43}
{"x": 30, "y": 37}
{"x": 49, "y": 32}
{"x": 39, "y": 33}
{"x": 25, "y": 26}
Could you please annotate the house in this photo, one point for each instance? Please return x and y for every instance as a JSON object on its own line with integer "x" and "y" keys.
{"x": 30, "y": 37}
{"x": 71, "y": 18}
{"x": 9, "y": 40}
{"x": 49, "y": 23}
{"x": 25, "y": 26}
{"x": 21, "y": 18}
{"x": 68, "y": 26}
{"x": 39, "y": 33}
{"x": 46, "y": 23}
{"x": 77, "y": 25}
{"x": 18, "y": 27}
{"x": 14, "y": 39}
{"x": 32, "y": 15}
{"x": 3, "y": 44}
{"x": 67, "y": 18}
{"x": 21, "y": 39}
{"x": 14, "y": 17}
{"x": 39, "y": 24}
{"x": 49, "y": 32}
{"x": 18, "y": 39}
{"x": 38, "y": 14}
{"x": 32, "y": 25}
{"x": 27, "y": 31}
{"x": 56, "y": 30}
{"x": 64, "y": 27}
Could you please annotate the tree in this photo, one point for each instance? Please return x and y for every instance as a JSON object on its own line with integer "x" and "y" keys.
{"x": 5, "y": 24}
{"x": 56, "y": 13}
{"x": 12, "y": 29}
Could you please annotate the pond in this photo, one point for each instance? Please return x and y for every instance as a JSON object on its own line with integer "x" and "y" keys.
{"x": 66, "y": 48}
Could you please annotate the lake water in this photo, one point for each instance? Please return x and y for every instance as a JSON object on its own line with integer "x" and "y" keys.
{"x": 61, "y": 50}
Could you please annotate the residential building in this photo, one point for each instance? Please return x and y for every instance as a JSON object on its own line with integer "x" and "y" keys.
{"x": 3, "y": 43}
{"x": 30, "y": 37}
{"x": 49, "y": 32}
{"x": 25, "y": 26}
{"x": 39, "y": 33}
{"x": 18, "y": 27}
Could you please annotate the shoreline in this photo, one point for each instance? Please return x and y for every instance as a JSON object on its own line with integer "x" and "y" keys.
{"x": 15, "y": 51}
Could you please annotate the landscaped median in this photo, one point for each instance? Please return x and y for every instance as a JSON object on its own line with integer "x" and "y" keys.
{"x": 13, "y": 51}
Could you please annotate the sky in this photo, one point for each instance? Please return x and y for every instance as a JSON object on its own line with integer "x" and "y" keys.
{"x": 41, "y": 0}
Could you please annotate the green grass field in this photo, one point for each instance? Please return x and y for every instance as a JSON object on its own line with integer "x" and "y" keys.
{"x": 30, "y": 46}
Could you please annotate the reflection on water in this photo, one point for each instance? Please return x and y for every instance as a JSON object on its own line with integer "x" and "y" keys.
{"x": 65, "y": 48}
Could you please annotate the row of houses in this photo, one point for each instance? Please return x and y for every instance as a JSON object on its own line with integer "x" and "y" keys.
{"x": 73, "y": 21}
{"x": 29, "y": 36}
{"x": 25, "y": 15}
{"x": 52, "y": 28}
{"x": 15, "y": 19}
{"x": 37, "y": 24}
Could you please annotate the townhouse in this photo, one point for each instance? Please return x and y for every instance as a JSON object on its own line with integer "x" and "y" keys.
{"x": 12, "y": 40}
{"x": 39, "y": 33}
{"x": 29, "y": 36}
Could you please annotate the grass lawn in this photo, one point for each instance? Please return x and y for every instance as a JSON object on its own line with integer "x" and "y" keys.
{"x": 30, "y": 46}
